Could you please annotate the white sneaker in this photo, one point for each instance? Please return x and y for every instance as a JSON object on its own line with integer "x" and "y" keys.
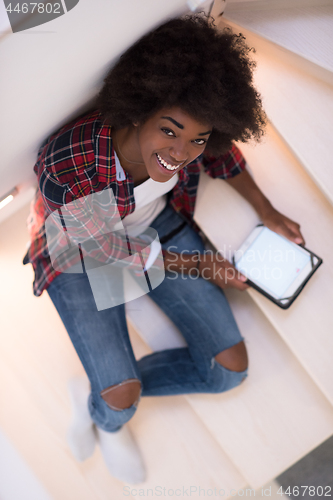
{"x": 122, "y": 455}
{"x": 80, "y": 436}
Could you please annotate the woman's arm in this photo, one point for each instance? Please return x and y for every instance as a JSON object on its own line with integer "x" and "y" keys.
{"x": 231, "y": 166}
{"x": 274, "y": 220}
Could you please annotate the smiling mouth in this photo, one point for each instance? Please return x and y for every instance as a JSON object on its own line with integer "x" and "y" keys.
{"x": 167, "y": 165}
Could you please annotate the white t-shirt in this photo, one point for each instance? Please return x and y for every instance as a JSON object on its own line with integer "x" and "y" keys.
{"x": 150, "y": 199}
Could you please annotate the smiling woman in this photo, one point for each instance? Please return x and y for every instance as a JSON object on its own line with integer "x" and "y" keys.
{"x": 173, "y": 104}
{"x": 168, "y": 141}
{"x": 187, "y": 63}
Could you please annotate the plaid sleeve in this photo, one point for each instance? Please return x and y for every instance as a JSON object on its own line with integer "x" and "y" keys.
{"x": 80, "y": 224}
{"x": 225, "y": 166}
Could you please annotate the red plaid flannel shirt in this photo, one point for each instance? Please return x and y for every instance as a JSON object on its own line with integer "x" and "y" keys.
{"x": 78, "y": 160}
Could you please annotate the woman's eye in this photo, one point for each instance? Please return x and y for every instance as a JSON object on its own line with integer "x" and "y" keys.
{"x": 200, "y": 142}
{"x": 168, "y": 132}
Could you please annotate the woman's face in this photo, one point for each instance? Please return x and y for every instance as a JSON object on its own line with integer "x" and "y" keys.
{"x": 169, "y": 140}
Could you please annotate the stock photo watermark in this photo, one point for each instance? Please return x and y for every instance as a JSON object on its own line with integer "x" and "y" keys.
{"x": 198, "y": 491}
{"x": 88, "y": 236}
{"x": 25, "y": 15}
{"x": 214, "y": 265}
{"x": 195, "y": 491}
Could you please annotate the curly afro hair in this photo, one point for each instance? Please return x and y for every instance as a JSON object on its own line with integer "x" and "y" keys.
{"x": 187, "y": 63}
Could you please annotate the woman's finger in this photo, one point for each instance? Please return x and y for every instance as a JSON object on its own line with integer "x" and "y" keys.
{"x": 235, "y": 279}
{"x": 294, "y": 233}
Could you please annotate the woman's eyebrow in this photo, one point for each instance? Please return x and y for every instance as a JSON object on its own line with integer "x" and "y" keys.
{"x": 179, "y": 125}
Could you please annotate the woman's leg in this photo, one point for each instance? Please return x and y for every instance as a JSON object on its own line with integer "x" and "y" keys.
{"x": 197, "y": 307}
{"x": 215, "y": 359}
{"x": 102, "y": 343}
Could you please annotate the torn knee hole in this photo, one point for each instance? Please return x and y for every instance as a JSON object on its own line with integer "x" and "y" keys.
{"x": 234, "y": 358}
{"x": 123, "y": 395}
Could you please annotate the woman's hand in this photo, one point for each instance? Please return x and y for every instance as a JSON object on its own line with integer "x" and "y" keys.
{"x": 282, "y": 225}
{"x": 274, "y": 220}
{"x": 221, "y": 272}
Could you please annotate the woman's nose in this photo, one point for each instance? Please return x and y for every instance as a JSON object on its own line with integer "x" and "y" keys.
{"x": 178, "y": 152}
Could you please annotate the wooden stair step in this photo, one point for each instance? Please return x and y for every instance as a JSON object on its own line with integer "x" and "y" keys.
{"x": 298, "y": 100}
{"x": 277, "y": 415}
{"x": 260, "y": 425}
{"x": 304, "y": 29}
{"x": 307, "y": 326}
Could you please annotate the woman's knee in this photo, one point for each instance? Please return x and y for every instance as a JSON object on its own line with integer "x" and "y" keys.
{"x": 230, "y": 368}
{"x": 234, "y": 359}
{"x": 121, "y": 396}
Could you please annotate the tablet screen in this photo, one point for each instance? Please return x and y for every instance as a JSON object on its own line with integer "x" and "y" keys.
{"x": 272, "y": 262}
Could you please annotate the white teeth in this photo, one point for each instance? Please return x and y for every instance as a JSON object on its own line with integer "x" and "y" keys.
{"x": 165, "y": 164}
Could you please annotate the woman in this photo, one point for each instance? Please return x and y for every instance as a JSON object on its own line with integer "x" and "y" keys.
{"x": 174, "y": 102}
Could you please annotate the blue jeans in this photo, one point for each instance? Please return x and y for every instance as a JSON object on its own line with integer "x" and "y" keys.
{"x": 196, "y": 306}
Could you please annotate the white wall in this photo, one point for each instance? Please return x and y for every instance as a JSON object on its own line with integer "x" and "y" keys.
{"x": 50, "y": 73}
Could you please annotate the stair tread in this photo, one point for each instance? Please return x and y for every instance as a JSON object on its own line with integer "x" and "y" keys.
{"x": 299, "y": 104}
{"x": 277, "y": 416}
{"x": 286, "y": 415}
{"x": 305, "y": 30}
{"x": 291, "y": 191}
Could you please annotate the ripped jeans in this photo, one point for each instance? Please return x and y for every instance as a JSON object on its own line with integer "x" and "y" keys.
{"x": 197, "y": 307}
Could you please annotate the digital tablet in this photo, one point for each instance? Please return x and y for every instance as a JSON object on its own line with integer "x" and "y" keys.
{"x": 275, "y": 266}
